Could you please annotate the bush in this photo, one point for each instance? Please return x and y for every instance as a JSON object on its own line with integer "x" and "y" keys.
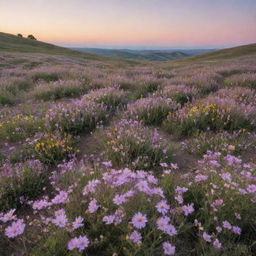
{"x": 77, "y": 117}
{"x": 20, "y": 127}
{"x": 211, "y": 114}
{"x": 52, "y": 148}
{"x": 60, "y": 89}
{"x": 151, "y": 111}
{"x": 180, "y": 93}
{"x": 21, "y": 182}
{"x": 6, "y": 98}
{"x": 110, "y": 96}
{"x": 47, "y": 77}
{"x": 129, "y": 142}
{"x": 243, "y": 80}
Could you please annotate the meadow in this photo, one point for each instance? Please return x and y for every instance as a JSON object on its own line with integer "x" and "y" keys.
{"x": 125, "y": 158}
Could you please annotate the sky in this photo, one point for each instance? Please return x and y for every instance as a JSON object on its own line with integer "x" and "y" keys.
{"x": 151, "y": 24}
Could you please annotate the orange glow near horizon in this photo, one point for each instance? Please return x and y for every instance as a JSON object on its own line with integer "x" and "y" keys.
{"x": 136, "y": 23}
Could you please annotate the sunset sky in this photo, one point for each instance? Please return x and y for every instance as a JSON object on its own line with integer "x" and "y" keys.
{"x": 133, "y": 23}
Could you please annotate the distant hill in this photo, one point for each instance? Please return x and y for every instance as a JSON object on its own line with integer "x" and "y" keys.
{"x": 146, "y": 55}
{"x": 233, "y": 52}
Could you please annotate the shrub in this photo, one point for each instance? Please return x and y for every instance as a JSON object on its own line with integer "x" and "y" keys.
{"x": 223, "y": 142}
{"x": 151, "y": 111}
{"x": 180, "y": 93}
{"x": 17, "y": 86}
{"x": 21, "y": 182}
{"x": 47, "y": 77}
{"x": 146, "y": 87}
{"x": 211, "y": 114}
{"x": 76, "y": 117}
{"x": 129, "y": 142}
{"x": 52, "y": 148}
{"x": 60, "y": 89}
{"x": 6, "y": 98}
{"x": 20, "y": 127}
{"x": 110, "y": 96}
{"x": 243, "y": 80}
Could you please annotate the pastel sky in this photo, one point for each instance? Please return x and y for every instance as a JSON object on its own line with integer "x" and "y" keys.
{"x": 133, "y": 23}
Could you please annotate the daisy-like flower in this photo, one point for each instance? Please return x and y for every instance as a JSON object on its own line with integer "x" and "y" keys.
{"x": 109, "y": 219}
{"x": 206, "y": 237}
{"x": 162, "y": 207}
{"x": 15, "y": 229}
{"x": 217, "y": 244}
{"x": 78, "y": 222}
{"x": 135, "y": 237}
{"x": 93, "y": 206}
{"x": 227, "y": 225}
{"x": 8, "y": 216}
{"x": 170, "y": 230}
{"x": 236, "y": 230}
{"x": 162, "y": 223}
{"x": 139, "y": 220}
{"x": 168, "y": 249}
{"x": 79, "y": 243}
{"x": 188, "y": 209}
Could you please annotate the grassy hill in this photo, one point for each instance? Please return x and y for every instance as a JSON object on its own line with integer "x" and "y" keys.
{"x": 233, "y": 52}
{"x": 12, "y": 43}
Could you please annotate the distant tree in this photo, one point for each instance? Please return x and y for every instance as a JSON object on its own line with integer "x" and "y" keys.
{"x": 20, "y": 35}
{"x": 31, "y": 37}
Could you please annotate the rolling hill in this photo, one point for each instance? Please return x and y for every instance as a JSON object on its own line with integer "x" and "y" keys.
{"x": 12, "y": 43}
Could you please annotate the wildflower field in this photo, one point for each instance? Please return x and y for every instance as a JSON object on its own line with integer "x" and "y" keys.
{"x": 123, "y": 158}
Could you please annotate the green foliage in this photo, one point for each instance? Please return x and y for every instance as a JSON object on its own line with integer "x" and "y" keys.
{"x": 47, "y": 77}
{"x": 25, "y": 182}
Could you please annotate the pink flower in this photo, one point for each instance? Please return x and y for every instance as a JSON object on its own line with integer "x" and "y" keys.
{"x": 78, "y": 222}
{"x": 119, "y": 199}
{"x": 188, "y": 209}
{"x": 207, "y": 237}
{"x": 162, "y": 207}
{"x": 236, "y": 230}
{"x": 139, "y": 220}
{"x": 162, "y": 223}
{"x": 93, "y": 206}
{"x": 180, "y": 190}
{"x": 60, "y": 198}
{"x": 170, "y": 230}
{"x": 168, "y": 248}
{"x": 60, "y": 218}
{"x": 15, "y": 229}
{"x": 217, "y": 244}
{"x": 200, "y": 177}
{"x": 8, "y": 216}
{"x": 79, "y": 243}
{"x": 251, "y": 188}
{"x": 109, "y": 219}
{"x": 227, "y": 225}
{"x": 135, "y": 237}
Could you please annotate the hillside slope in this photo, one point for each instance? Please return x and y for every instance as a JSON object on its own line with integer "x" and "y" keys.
{"x": 12, "y": 43}
{"x": 233, "y": 52}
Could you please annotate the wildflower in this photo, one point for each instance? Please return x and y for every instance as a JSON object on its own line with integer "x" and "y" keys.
{"x": 119, "y": 199}
{"x": 162, "y": 207}
{"x": 188, "y": 209}
{"x": 60, "y": 218}
{"x": 236, "y": 230}
{"x": 79, "y": 243}
{"x": 179, "y": 199}
{"x": 162, "y": 223}
{"x": 40, "y": 204}
{"x": 168, "y": 248}
{"x": 227, "y": 225}
{"x": 170, "y": 230}
{"x": 60, "y": 198}
{"x": 78, "y": 222}
{"x": 139, "y": 220}
{"x": 109, "y": 219}
{"x": 8, "y": 216}
{"x": 200, "y": 177}
{"x": 15, "y": 229}
{"x": 180, "y": 190}
{"x": 226, "y": 176}
{"x": 93, "y": 206}
{"x": 219, "y": 229}
{"x": 217, "y": 244}
{"x": 207, "y": 237}
{"x": 251, "y": 188}
{"x": 135, "y": 237}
